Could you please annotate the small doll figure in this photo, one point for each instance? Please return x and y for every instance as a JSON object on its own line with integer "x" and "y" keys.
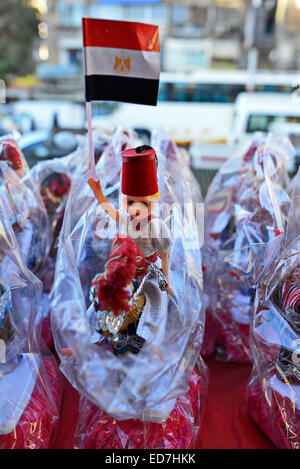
{"x": 54, "y": 191}
{"x": 6, "y": 328}
{"x": 25, "y": 209}
{"x": 11, "y": 153}
{"x": 142, "y": 240}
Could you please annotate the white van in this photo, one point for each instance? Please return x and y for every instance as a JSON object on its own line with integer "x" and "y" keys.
{"x": 43, "y": 112}
{"x": 197, "y": 107}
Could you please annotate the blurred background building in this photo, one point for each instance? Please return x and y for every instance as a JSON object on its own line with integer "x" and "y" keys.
{"x": 194, "y": 34}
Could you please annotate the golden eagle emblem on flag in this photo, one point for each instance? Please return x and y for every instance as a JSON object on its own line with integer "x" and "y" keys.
{"x": 122, "y": 64}
{"x": 121, "y": 61}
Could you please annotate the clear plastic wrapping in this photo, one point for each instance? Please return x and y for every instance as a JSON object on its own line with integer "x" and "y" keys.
{"x": 140, "y": 390}
{"x": 209, "y": 300}
{"x": 274, "y": 387}
{"x": 245, "y": 213}
{"x": 24, "y": 205}
{"x": 30, "y": 388}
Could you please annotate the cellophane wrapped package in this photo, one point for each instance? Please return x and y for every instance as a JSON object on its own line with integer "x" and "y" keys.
{"x": 245, "y": 213}
{"x": 30, "y": 387}
{"x": 24, "y": 205}
{"x": 274, "y": 387}
{"x": 152, "y": 398}
{"x": 27, "y": 213}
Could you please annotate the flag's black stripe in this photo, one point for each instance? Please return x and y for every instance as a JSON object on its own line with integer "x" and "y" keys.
{"x": 119, "y": 88}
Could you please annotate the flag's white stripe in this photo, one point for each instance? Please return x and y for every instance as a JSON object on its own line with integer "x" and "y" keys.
{"x": 102, "y": 61}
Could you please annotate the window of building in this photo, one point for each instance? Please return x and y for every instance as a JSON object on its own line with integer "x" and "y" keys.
{"x": 75, "y": 57}
{"x": 180, "y": 14}
{"x": 106, "y": 11}
{"x": 159, "y": 14}
{"x": 262, "y": 122}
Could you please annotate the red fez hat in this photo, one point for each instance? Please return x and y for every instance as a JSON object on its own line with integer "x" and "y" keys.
{"x": 9, "y": 151}
{"x": 139, "y": 172}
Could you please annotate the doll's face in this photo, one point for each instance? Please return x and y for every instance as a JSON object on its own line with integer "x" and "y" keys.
{"x": 140, "y": 207}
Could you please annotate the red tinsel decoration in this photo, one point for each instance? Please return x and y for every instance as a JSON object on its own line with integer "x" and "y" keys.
{"x": 60, "y": 184}
{"x": 10, "y": 152}
{"x": 250, "y": 152}
{"x": 126, "y": 262}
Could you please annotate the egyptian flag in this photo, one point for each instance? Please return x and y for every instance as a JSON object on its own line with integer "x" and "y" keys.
{"x": 122, "y": 61}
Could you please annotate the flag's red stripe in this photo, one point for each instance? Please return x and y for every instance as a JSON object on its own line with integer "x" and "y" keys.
{"x": 120, "y": 35}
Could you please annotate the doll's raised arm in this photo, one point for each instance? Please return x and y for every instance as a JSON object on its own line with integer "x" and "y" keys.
{"x": 107, "y": 207}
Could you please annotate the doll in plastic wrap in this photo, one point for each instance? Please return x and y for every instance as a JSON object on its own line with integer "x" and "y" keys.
{"x": 117, "y": 293}
{"x": 11, "y": 153}
{"x": 128, "y": 347}
{"x": 177, "y": 160}
{"x": 54, "y": 191}
{"x": 30, "y": 387}
{"x": 246, "y": 209}
{"x": 274, "y": 388}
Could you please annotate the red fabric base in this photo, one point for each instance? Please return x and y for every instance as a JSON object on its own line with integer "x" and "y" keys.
{"x": 47, "y": 333}
{"x": 281, "y": 422}
{"x": 39, "y": 422}
{"x": 226, "y": 424}
{"x": 210, "y": 333}
{"x": 179, "y": 432}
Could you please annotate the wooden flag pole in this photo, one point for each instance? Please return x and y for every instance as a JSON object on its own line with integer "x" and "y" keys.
{"x": 88, "y": 106}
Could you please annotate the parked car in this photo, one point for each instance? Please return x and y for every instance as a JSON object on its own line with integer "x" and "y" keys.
{"x": 261, "y": 112}
{"x": 40, "y": 144}
{"x": 14, "y": 122}
{"x": 253, "y": 112}
{"x": 198, "y": 106}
